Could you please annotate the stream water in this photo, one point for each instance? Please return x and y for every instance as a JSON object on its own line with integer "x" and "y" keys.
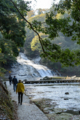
{"x": 30, "y": 69}
{"x": 56, "y": 92}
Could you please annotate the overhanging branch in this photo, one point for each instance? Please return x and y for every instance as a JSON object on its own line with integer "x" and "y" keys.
{"x": 29, "y": 25}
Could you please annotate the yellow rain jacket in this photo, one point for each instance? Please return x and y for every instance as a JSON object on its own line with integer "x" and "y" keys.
{"x": 20, "y": 87}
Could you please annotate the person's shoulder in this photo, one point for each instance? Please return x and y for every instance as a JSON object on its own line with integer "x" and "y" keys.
{"x": 22, "y": 84}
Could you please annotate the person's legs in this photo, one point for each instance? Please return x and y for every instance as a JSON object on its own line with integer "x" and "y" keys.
{"x": 18, "y": 97}
{"x": 21, "y": 97}
{"x": 14, "y": 87}
{"x": 10, "y": 82}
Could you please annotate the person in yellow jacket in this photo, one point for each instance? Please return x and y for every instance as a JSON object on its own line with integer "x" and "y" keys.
{"x": 20, "y": 90}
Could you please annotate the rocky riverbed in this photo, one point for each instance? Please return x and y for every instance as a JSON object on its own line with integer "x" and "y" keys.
{"x": 58, "y": 102}
{"x": 56, "y": 113}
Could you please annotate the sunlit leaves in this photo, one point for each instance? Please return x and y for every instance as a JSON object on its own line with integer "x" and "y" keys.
{"x": 23, "y": 6}
{"x": 35, "y": 44}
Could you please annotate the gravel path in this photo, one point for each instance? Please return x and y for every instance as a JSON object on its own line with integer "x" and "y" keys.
{"x": 26, "y": 111}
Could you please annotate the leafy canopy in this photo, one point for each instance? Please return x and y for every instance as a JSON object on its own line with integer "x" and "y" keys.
{"x": 12, "y": 30}
{"x": 69, "y": 26}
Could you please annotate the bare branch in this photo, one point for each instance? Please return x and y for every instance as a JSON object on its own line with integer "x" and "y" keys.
{"x": 30, "y": 26}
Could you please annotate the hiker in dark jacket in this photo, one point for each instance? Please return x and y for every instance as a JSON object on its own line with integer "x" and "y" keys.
{"x": 14, "y": 83}
{"x": 10, "y": 79}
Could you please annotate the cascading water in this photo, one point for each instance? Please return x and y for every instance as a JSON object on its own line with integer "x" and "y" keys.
{"x": 30, "y": 70}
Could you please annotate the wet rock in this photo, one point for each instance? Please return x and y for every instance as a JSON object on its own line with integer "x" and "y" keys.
{"x": 58, "y": 110}
{"x": 46, "y": 110}
{"x": 62, "y": 116}
{"x": 72, "y": 112}
{"x": 25, "y": 80}
{"x": 45, "y": 78}
{"x": 67, "y": 93}
{"x": 66, "y": 98}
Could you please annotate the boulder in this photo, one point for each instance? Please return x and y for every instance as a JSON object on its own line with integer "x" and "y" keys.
{"x": 66, "y": 98}
{"x": 67, "y": 93}
{"x": 45, "y": 78}
{"x": 25, "y": 80}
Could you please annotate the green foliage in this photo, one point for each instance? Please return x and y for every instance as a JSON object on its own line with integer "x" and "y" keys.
{"x": 31, "y": 37}
{"x": 56, "y": 23}
{"x": 68, "y": 25}
{"x": 35, "y": 44}
{"x": 12, "y": 30}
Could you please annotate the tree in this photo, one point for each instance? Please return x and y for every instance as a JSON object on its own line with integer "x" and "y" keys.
{"x": 64, "y": 25}
{"x": 12, "y": 28}
{"x": 35, "y": 44}
{"x": 52, "y": 28}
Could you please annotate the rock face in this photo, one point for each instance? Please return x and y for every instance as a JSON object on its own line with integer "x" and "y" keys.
{"x": 30, "y": 70}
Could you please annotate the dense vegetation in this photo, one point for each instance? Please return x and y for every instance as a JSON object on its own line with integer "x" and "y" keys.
{"x": 12, "y": 30}
{"x": 34, "y": 47}
{"x": 69, "y": 26}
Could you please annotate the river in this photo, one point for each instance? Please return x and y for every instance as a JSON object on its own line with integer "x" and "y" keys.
{"x": 56, "y": 92}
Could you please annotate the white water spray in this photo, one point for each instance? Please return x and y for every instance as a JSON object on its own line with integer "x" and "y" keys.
{"x": 27, "y": 69}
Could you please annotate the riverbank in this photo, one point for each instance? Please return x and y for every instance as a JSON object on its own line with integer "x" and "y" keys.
{"x": 28, "y": 110}
{"x": 56, "y": 113}
{"x": 57, "y": 101}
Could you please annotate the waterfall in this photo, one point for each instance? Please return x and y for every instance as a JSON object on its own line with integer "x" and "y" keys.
{"x": 30, "y": 69}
